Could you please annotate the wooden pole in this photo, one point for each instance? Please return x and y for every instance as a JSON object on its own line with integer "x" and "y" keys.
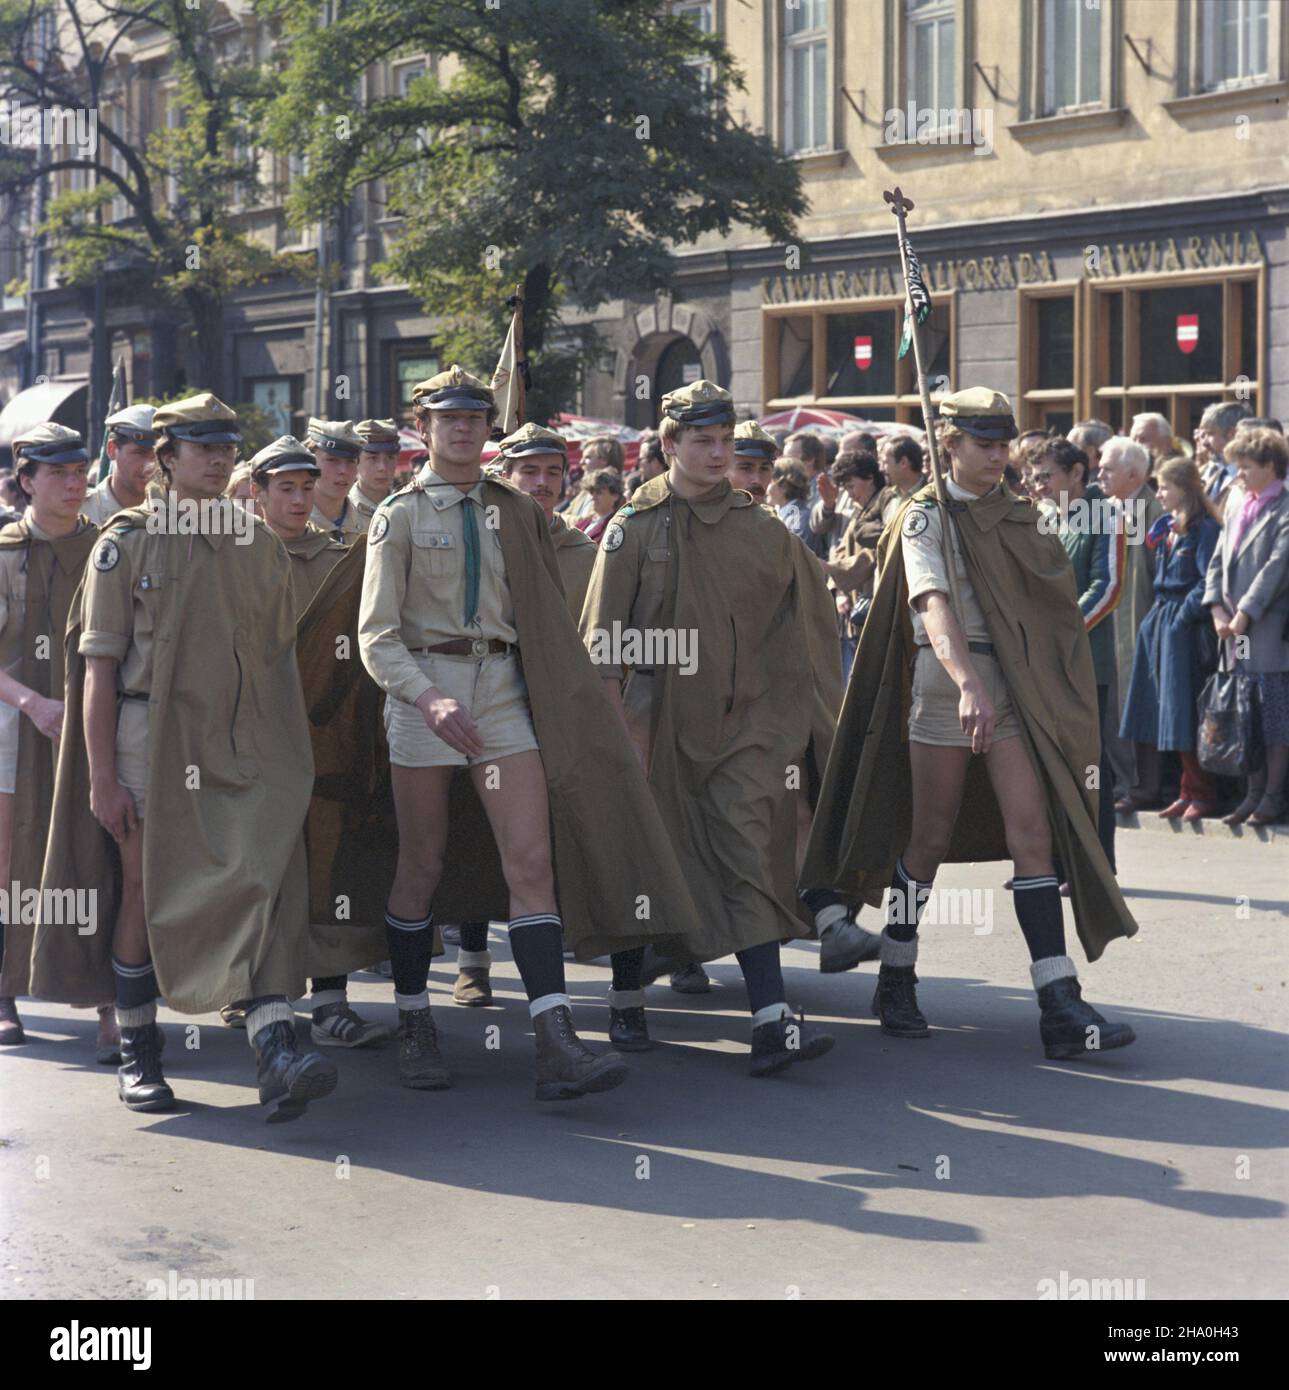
{"x": 520, "y": 410}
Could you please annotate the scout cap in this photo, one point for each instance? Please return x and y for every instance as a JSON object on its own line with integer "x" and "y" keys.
{"x": 981, "y": 412}
{"x": 204, "y": 419}
{"x": 285, "y": 454}
{"x": 752, "y": 442}
{"x": 533, "y": 439}
{"x": 378, "y": 436}
{"x": 133, "y": 424}
{"x": 50, "y": 443}
{"x": 454, "y": 389}
{"x": 702, "y": 402}
{"x": 334, "y": 437}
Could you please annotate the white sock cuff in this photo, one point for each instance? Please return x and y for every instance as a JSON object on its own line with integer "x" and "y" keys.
{"x": 626, "y": 999}
{"x": 137, "y": 1018}
{"x": 829, "y": 916}
{"x": 323, "y": 997}
{"x": 900, "y": 953}
{"x": 548, "y": 1001}
{"x": 1050, "y": 969}
{"x": 412, "y": 1001}
{"x": 772, "y": 1013}
{"x": 473, "y": 960}
{"x": 258, "y": 1018}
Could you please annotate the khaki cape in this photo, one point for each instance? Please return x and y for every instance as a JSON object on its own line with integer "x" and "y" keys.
{"x": 1025, "y": 586}
{"x": 599, "y": 802}
{"x": 732, "y": 743}
{"x": 575, "y": 552}
{"x": 53, "y": 571}
{"x": 225, "y": 890}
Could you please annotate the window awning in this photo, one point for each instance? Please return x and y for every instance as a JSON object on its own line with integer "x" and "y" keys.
{"x": 15, "y": 337}
{"x": 37, "y": 404}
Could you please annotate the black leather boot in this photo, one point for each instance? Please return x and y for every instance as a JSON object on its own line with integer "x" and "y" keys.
{"x": 139, "y": 1081}
{"x": 777, "y": 1045}
{"x": 895, "y": 1002}
{"x": 628, "y": 1028}
{"x": 1071, "y": 1028}
{"x": 289, "y": 1079}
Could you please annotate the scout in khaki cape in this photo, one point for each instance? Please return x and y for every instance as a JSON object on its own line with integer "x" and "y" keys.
{"x": 843, "y": 943}
{"x": 335, "y": 447}
{"x": 377, "y": 459}
{"x": 196, "y": 762}
{"x": 465, "y": 626}
{"x": 283, "y": 476}
{"x": 535, "y": 460}
{"x": 132, "y": 450}
{"x": 727, "y": 739}
{"x": 1007, "y": 677}
{"x": 41, "y": 560}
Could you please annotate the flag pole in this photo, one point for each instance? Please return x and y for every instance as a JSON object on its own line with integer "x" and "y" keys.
{"x": 899, "y": 206}
{"x": 520, "y": 365}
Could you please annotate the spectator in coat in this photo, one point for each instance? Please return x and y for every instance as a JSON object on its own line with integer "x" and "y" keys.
{"x": 1091, "y": 436}
{"x": 1168, "y": 667}
{"x": 1216, "y": 429}
{"x": 1248, "y": 594}
{"x": 790, "y": 497}
{"x": 605, "y": 488}
{"x": 1124, "y": 469}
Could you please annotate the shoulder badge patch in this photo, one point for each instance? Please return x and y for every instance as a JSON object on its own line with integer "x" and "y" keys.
{"x": 379, "y": 525}
{"x": 107, "y": 554}
{"x": 915, "y": 522}
{"x": 613, "y": 537}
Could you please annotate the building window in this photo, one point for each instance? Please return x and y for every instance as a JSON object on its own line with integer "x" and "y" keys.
{"x": 279, "y": 398}
{"x": 1049, "y": 333}
{"x": 806, "y": 91}
{"x": 1071, "y": 56}
{"x": 701, "y": 16}
{"x": 1234, "y": 40}
{"x": 409, "y": 368}
{"x": 1175, "y": 347}
{"x": 929, "y": 50}
{"x": 847, "y": 356}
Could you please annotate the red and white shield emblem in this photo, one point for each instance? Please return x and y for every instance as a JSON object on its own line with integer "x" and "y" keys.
{"x": 1187, "y": 332}
{"x": 863, "y": 353}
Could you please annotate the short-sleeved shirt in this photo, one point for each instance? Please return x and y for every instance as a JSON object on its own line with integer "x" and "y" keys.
{"x": 924, "y": 567}
{"x": 101, "y": 503}
{"x": 120, "y": 604}
{"x": 414, "y": 583}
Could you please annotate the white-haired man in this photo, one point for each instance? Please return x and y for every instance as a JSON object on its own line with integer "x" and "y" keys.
{"x": 1125, "y": 467}
{"x": 1153, "y": 432}
{"x": 1091, "y": 437}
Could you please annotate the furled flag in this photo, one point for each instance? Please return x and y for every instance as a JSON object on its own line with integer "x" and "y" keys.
{"x": 917, "y": 298}
{"x": 508, "y": 380}
{"x": 115, "y": 401}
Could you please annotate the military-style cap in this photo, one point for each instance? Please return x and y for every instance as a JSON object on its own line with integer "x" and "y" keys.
{"x": 752, "y": 442}
{"x": 981, "y": 412}
{"x": 204, "y": 419}
{"x": 50, "y": 443}
{"x": 134, "y": 423}
{"x": 702, "y": 402}
{"x": 285, "y": 454}
{"x": 533, "y": 439}
{"x": 378, "y": 436}
{"x": 334, "y": 437}
{"x": 454, "y": 389}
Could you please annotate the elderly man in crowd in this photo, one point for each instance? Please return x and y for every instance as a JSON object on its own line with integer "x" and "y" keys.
{"x": 902, "y": 462}
{"x": 1216, "y": 429}
{"x": 1125, "y": 467}
{"x": 1153, "y": 432}
{"x": 1091, "y": 436}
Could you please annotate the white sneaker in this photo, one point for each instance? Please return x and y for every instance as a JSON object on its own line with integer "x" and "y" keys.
{"x": 336, "y": 1025}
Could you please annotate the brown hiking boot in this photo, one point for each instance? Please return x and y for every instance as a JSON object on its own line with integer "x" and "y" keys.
{"x": 11, "y": 1033}
{"x": 419, "y": 1064}
{"x": 566, "y": 1067}
{"x": 473, "y": 987}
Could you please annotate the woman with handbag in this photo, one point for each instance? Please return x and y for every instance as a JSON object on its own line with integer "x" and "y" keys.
{"x": 1167, "y": 667}
{"x": 1248, "y": 594}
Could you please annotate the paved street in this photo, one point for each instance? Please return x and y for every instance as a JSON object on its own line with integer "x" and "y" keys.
{"x": 962, "y": 1167}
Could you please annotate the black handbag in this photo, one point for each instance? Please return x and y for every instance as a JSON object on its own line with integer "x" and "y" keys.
{"x": 1229, "y": 742}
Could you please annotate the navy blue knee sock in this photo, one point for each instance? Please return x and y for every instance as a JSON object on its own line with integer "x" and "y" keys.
{"x": 136, "y": 985}
{"x": 763, "y": 975}
{"x": 410, "y": 945}
{"x": 537, "y": 946}
{"x": 905, "y": 905}
{"x": 474, "y": 936}
{"x": 1038, "y": 910}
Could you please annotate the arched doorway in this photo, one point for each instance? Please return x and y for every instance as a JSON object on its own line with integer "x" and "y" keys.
{"x": 662, "y": 347}
{"x": 678, "y": 365}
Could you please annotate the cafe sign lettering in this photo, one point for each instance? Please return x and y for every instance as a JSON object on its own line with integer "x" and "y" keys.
{"x": 874, "y": 282}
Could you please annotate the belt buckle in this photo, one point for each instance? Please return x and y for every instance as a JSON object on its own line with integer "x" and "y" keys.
{"x": 479, "y": 646}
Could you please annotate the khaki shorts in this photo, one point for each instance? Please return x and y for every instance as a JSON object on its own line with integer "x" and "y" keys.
{"x": 132, "y": 750}
{"x": 9, "y": 717}
{"x": 492, "y": 688}
{"x": 933, "y": 715}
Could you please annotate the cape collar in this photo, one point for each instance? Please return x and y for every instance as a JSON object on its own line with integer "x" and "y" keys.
{"x": 998, "y": 504}
{"x": 708, "y": 507}
{"x": 314, "y": 541}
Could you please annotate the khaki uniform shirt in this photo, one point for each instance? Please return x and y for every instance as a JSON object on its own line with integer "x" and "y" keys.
{"x": 13, "y": 604}
{"x": 313, "y": 556}
{"x": 362, "y": 505}
{"x": 352, "y": 521}
{"x": 414, "y": 584}
{"x": 575, "y": 551}
{"x": 101, "y": 504}
{"x": 925, "y": 571}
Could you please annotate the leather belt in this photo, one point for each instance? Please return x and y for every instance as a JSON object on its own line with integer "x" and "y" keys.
{"x": 466, "y": 646}
{"x": 982, "y": 649}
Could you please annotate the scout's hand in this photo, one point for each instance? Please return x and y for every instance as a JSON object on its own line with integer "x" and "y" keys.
{"x": 452, "y": 722}
{"x": 47, "y": 716}
{"x": 976, "y": 713}
{"x": 114, "y": 809}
